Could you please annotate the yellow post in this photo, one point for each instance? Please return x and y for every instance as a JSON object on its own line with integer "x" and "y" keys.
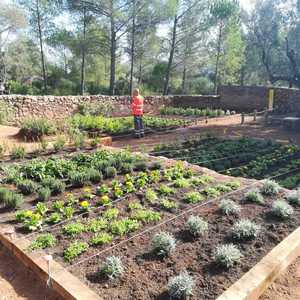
{"x": 271, "y": 99}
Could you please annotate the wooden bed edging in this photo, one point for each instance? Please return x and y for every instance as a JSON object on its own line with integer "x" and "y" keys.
{"x": 63, "y": 282}
{"x": 253, "y": 284}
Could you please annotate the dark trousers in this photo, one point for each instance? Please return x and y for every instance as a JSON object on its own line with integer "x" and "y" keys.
{"x": 138, "y": 126}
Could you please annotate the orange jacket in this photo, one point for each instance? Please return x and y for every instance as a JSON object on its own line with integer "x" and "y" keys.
{"x": 137, "y": 105}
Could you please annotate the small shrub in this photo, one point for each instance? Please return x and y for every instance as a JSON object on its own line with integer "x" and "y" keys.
{"x": 245, "y": 229}
{"x": 126, "y": 168}
{"x": 181, "y": 286}
{"x": 151, "y": 196}
{"x": 55, "y": 185}
{"x": 18, "y": 152}
{"x": 34, "y": 129}
{"x": 94, "y": 142}
{"x": 101, "y": 239}
{"x": 229, "y": 207}
{"x": 43, "y": 241}
{"x": 10, "y": 199}
{"x": 282, "y": 209}
{"x": 105, "y": 200}
{"x": 110, "y": 172}
{"x": 163, "y": 243}
{"x": 135, "y": 205}
{"x": 211, "y": 192}
{"x": 233, "y": 184}
{"x": 255, "y": 196}
{"x": 193, "y": 197}
{"x": 68, "y": 212}
{"x": 26, "y": 186}
{"x": 94, "y": 175}
{"x": 41, "y": 208}
{"x": 44, "y": 194}
{"x": 168, "y": 204}
{"x": 202, "y": 180}
{"x": 294, "y": 198}
{"x": 140, "y": 166}
{"x": 102, "y": 190}
{"x": 74, "y": 250}
{"x": 270, "y": 188}
{"x": 112, "y": 267}
{"x": 196, "y": 226}
{"x": 59, "y": 143}
{"x": 227, "y": 255}
{"x": 73, "y": 229}
{"x": 78, "y": 179}
{"x": 58, "y": 206}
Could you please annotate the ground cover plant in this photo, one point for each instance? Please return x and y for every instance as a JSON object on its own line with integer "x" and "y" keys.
{"x": 120, "y": 125}
{"x": 242, "y": 157}
{"x": 180, "y": 111}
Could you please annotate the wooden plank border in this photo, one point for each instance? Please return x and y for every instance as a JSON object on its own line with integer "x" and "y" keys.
{"x": 254, "y": 283}
{"x": 63, "y": 282}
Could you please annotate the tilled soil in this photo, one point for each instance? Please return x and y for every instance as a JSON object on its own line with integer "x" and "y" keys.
{"x": 146, "y": 275}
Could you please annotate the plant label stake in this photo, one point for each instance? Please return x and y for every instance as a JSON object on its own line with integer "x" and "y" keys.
{"x": 48, "y": 259}
{"x": 10, "y": 232}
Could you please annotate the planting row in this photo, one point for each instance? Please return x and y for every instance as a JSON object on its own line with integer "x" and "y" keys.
{"x": 199, "y": 255}
{"x": 241, "y": 157}
{"x": 179, "y": 111}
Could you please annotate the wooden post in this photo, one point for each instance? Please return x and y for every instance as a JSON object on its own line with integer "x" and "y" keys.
{"x": 271, "y": 99}
{"x": 243, "y": 118}
{"x": 255, "y": 115}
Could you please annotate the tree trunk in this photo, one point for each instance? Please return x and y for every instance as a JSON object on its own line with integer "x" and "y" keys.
{"x": 132, "y": 49}
{"x": 218, "y": 59}
{"x": 183, "y": 86}
{"x": 140, "y": 72}
{"x": 113, "y": 49}
{"x": 171, "y": 56}
{"x": 83, "y": 50}
{"x": 41, "y": 45}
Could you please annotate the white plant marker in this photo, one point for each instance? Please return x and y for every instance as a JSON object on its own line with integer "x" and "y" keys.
{"x": 48, "y": 259}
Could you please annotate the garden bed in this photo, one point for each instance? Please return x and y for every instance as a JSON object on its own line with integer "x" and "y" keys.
{"x": 243, "y": 157}
{"x": 92, "y": 218}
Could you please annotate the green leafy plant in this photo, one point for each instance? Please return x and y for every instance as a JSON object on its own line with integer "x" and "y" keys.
{"x": 211, "y": 192}
{"x": 102, "y": 190}
{"x": 58, "y": 206}
{"x": 168, "y": 204}
{"x": 255, "y": 196}
{"x": 59, "y": 143}
{"x": 101, "y": 239}
{"x": 41, "y": 208}
{"x": 181, "y": 286}
{"x": 146, "y": 216}
{"x": 78, "y": 179}
{"x": 196, "y": 226}
{"x": 227, "y": 255}
{"x": 111, "y": 214}
{"x": 166, "y": 190}
{"x": 105, "y": 200}
{"x": 151, "y": 196}
{"x": 193, "y": 197}
{"x": 73, "y": 229}
{"x": 245, "y": 229}
{"x": 96, "y": 225}
{"x": 282, "y": 209}
{"x": 124, "y": 226}
{"x": 54, "y": 218}
{"x": 68, "y": 212}
{"x": 36, "y": 128}
{"x": 74, "y": 250}
{"x": 135, "y": 205}
{"x": 33, "y": 222}
{"x": 163, "y": 243}
{"x": 112, "y": 267}
{"x": 229, "y": 207}
{"x": 181, "y": 183}
{"x": 43, "y": 241}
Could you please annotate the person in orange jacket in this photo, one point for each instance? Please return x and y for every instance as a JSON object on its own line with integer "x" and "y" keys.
{"x": 137, "y": 107}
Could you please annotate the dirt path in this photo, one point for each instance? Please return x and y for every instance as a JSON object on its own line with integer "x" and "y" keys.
{"x": 19, "y": 283}
{"x": 287, "y": 286}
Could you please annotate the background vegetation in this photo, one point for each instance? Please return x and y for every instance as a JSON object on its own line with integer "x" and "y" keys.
{"x": 65, "y": 47}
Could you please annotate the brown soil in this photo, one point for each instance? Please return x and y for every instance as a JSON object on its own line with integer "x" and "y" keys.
{"x": 287, "y": 286}
{"x": 147, "y": 275}
{"x": 19, "y": 283}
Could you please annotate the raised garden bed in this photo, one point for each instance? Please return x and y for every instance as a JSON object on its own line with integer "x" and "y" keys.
{"x": 82, "y": 226}
{"x": 239, "y": 157}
